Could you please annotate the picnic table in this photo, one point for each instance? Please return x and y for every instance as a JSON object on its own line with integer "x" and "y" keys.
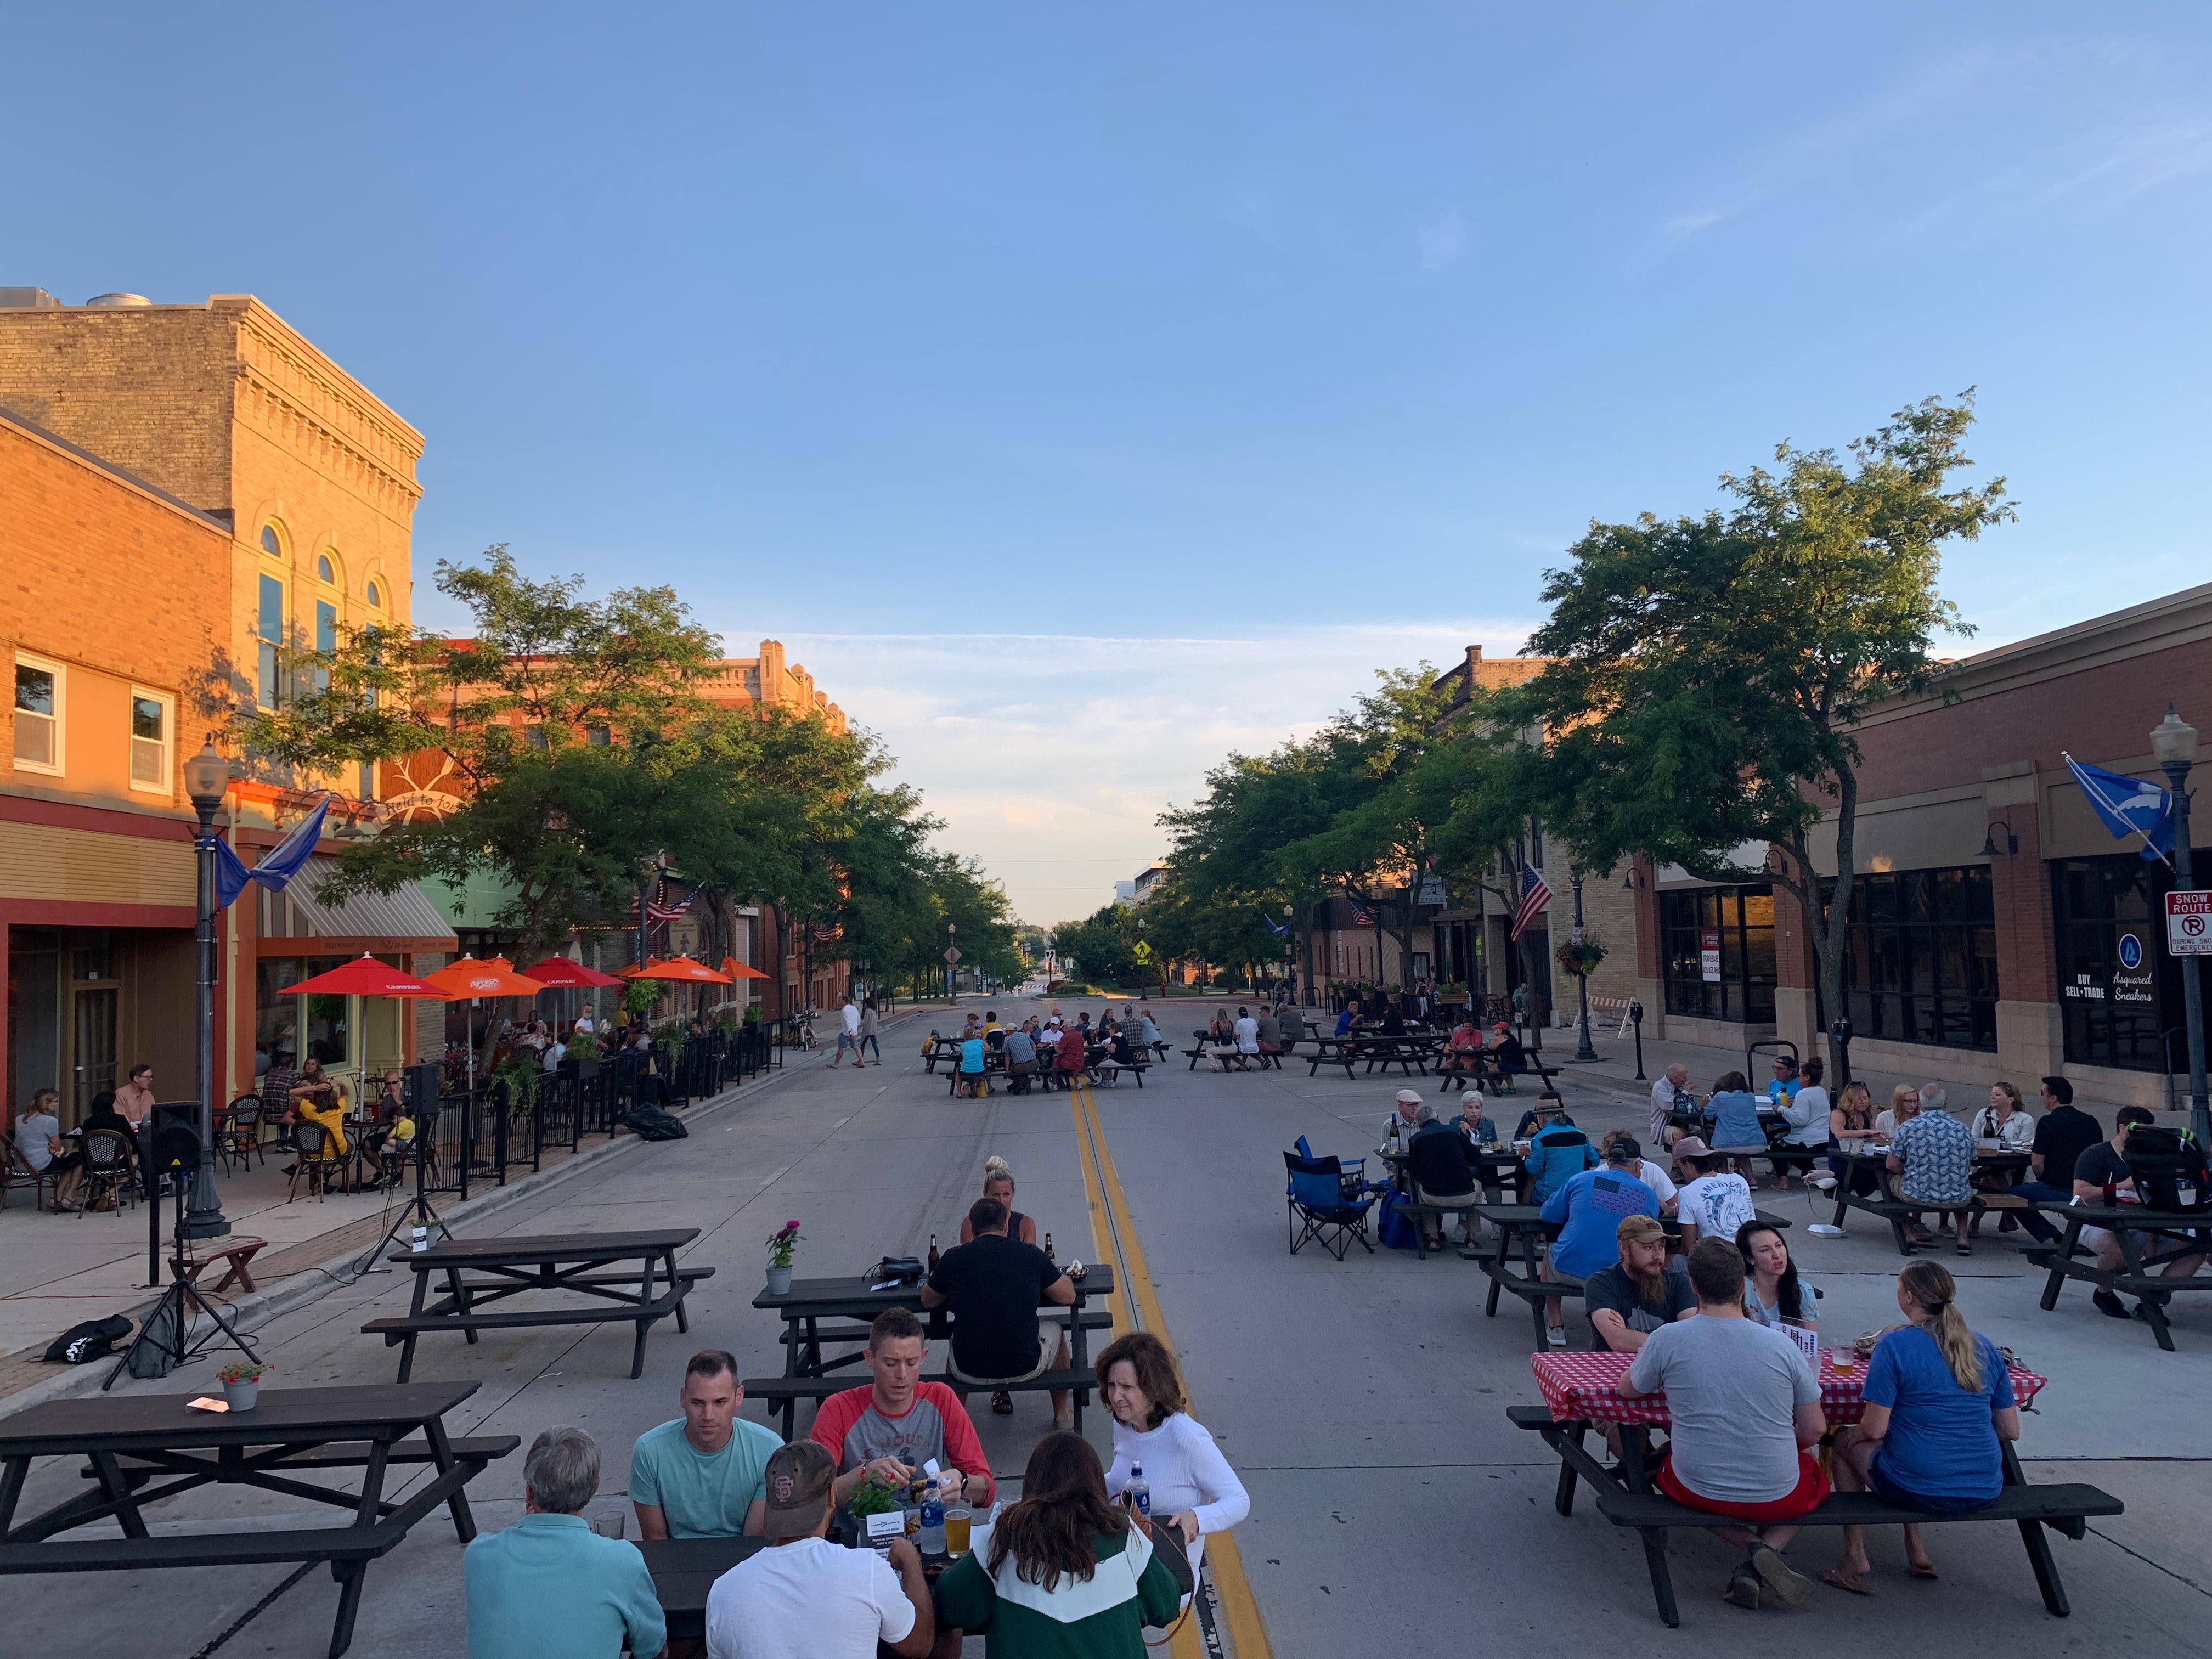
{"x": 810, "y": 1302}
{"x": 1895, "y": 1209}
{"x": 684, "y": 1570}
{"x": 1580, "y": 1389}
{"x": 623, "y": 1278}
{"x": 1411, "y": 1054}
{"x": 144, "y": 1449}
{"x": 2175, "y": 1236}
{"x": 1526, "y": 1223}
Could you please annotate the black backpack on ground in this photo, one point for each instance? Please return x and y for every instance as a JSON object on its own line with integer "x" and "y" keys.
{"x": 651, "y": 1123}
{"x": 95, "y": 1338}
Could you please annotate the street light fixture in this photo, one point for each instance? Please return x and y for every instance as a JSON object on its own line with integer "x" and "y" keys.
{"x": 1584, "y": 1051}
{"x": 2174, "y": 745}
{"x": 207, "y": 780}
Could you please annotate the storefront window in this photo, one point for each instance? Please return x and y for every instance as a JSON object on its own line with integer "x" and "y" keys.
{"x": 277, "y": 1013}
{"x": 2119, "y": 992}
{"x": 34, "y": 1014}
{"x": 1716, "y": 952}
{"x": 1920, "y": 957}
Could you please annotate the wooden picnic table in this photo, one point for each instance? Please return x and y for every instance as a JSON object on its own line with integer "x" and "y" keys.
{"x": 1411, "y": 1052}
{"x": 1583, "y": 1389}
{"x": 810, "y": 1301}
{"x": 144, "y": 1449}
{"x": 1895, "y": 1209}
{"x": 480, "y": 1273}
{"x": 2175, "y": 1236}
{"x": 684, "y": 1570}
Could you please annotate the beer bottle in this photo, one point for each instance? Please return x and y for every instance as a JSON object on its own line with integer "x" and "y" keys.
{"x": 1047, "y": 1248}
{"x": 932, "y": 1253}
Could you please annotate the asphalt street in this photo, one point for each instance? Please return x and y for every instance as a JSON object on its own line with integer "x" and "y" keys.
{"x": 1393, "y": 1507}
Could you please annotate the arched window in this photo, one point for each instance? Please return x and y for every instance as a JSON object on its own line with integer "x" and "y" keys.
{"x": 375, "y": 592}
{"x": 324, "y": 570}
{"x": 272, "y": 544}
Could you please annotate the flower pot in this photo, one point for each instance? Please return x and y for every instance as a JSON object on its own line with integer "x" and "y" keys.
{"x": 779, "y": 1280}
{"x": 240, "y": 1396}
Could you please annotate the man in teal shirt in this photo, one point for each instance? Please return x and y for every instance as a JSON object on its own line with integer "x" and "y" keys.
{"x": 702, "y": 1475}
{"x": 549, "y": 1587}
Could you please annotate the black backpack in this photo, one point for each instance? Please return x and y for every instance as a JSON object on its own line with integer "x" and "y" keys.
{"x": 2164, "y": 1164}
{"x": 95, "y": 1338}
{"x": 651, "y": 1123}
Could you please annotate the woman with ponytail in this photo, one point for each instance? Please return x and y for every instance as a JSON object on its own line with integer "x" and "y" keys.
{"x": 1938, "y": 1401}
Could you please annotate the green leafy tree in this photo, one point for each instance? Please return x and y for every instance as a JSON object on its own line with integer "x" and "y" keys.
{"x": 1707, "y": 673}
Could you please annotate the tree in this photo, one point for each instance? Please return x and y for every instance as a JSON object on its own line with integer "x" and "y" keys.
{"x": 1706, "y": 673}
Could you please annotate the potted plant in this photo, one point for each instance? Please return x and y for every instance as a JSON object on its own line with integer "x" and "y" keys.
{"x": 1581, "y": 959}
{"x": 241, "y": 1383}
{"x": 781, "y": 1244}
{"x": 873, "y": 1496}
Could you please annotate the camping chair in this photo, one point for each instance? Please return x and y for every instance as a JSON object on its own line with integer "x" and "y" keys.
{"x": 1326, "y": 1204}
{"x": 319, "y": 1162}
{"x": 238, "y": 1136}
{"x": 107, "y": 1181}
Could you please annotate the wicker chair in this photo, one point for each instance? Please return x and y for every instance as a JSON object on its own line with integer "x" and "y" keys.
{"x": 320, "y": 1161}
{"x": 107, "y": 1177}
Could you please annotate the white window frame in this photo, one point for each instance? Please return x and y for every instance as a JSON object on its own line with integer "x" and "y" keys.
{"x": 28, "y": 660}
{"x": 167, "y": 787}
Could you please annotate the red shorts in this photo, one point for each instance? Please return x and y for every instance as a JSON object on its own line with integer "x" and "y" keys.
{"x": 1812, "y": 1488}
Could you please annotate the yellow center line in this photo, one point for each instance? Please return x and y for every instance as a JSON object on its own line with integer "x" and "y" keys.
{"x": 1112, "y": 1226}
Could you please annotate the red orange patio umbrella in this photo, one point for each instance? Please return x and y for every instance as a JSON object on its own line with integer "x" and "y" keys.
{"x": 683, "y": 970}
{"x": 566, "y": 975}
{"x": 365, "y": 976}
{"x": 737, "y": 969}
{"x": 470, "y": 978}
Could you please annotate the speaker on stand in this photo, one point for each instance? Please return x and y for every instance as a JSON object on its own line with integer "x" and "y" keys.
{"x": 171, "y": 1151}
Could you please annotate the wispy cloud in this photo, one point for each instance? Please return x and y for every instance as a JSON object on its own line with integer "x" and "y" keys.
{"x": 1443, "y": 241}
{"x": 1051, "y": 757}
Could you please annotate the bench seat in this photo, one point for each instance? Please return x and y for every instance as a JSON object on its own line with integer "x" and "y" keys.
{"x": 204, "y": 1549}
{"x": 405, "y": 1328}
{"x": 781, "y": 1394}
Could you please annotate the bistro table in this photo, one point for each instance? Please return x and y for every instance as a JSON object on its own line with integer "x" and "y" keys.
{"x": 480, "y": 1271}
{"x": 144, "y": 1449}
{"x": 2173, "y": 1236}
{"x": 1580, "y": 1389}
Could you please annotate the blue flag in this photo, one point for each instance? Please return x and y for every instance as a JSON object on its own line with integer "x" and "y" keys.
{"x": 1279, "y": 929}
{"x": 2129, "y": 806}
{"x": 278, "y": 865}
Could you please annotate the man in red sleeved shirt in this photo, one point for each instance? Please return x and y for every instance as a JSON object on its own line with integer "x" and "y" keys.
{"x": 898, "y": 1422}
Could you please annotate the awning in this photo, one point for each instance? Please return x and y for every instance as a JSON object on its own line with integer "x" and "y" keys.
{"x": 405, "y": 919}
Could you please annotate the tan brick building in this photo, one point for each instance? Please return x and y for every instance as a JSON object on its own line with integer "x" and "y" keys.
{"x": 248, "y": 493}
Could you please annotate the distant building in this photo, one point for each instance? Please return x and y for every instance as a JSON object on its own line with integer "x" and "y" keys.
{"x": 1124, "y": 892}
{"x": 1146, "y": 883}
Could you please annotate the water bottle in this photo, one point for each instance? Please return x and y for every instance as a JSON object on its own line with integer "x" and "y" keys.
{"x": 1138, "y": 1494}
{"x": 930, "y": 1540}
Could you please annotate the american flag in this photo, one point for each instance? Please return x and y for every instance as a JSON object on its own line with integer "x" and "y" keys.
{"x": 656, "y": 911}
{"x": 1362, "y": 916}
{"x": 1534, "y": 896}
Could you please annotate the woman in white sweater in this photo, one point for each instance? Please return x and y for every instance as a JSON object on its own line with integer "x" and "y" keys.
{"x": 1194, "y": 1489}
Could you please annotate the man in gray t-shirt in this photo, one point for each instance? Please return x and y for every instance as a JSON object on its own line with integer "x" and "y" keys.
{"x": 1744, "y": 1408}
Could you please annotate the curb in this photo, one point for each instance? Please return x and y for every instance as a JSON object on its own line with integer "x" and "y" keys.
{"x": 249, "y": 1312}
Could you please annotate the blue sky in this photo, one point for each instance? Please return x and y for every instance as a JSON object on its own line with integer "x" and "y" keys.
{"x": 1082, "y": 392}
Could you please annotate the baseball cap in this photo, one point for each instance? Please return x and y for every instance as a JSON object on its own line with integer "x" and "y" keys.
{"x": 1409, "y": 1096}
{"x": 1691, "y": 1147}
{"x": 1639, "y": 1230}
{"x": 798, "y": 1480}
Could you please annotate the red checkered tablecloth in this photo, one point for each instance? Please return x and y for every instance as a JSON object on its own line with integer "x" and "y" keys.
{"x": 1578, "y": 1386}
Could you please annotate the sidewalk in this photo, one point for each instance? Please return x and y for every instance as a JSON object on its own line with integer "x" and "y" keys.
{"x": 58, "y": 1270}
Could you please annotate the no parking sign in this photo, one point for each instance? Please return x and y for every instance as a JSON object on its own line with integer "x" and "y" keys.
{"x": 2189, "y": 923}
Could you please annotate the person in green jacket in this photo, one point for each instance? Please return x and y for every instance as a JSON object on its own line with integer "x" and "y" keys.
{"x": 1069, "y": 1575}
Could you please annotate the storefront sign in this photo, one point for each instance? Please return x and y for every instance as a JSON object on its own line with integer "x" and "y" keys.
{"x": 1708, "y": 954}
{"x": 2189, "y": 923}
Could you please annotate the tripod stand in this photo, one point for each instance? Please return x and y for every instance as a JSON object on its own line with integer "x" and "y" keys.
{"x": 416, "y": 1212}
{"x": 168, "y": 1330}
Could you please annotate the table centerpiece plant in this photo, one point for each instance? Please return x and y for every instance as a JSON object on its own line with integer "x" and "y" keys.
{"x": 781, "y": 1244}
{"x": 241, "y": 1383}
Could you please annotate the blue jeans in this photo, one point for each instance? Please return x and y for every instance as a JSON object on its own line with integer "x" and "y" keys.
{"x": 2040, "y": 1226}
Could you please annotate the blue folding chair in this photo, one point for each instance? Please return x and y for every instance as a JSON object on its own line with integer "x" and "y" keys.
{"x": 1326, "y": 1206}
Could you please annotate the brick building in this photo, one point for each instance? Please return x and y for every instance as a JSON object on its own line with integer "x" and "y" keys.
{"x": 1998, "y": 930}
{"x": 198, "y": 487}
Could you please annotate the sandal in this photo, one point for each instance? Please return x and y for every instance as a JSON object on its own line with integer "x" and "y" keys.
{"x": 1002, "y": 1403}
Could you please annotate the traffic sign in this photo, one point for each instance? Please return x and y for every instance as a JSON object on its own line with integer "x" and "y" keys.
{"x": 2189, "y": 923}
{"x": 952, "y": 953}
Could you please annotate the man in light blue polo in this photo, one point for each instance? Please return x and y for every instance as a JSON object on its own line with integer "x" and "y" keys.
{"x": 549, "y": 1587}
{"x": 702, "y": 1475}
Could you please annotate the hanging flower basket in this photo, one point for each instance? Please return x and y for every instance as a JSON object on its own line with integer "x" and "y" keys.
{"x": 1579, "y": 959}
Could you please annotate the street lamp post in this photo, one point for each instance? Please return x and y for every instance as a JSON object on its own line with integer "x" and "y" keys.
{"x": 2173, "y": 744}
{"x": 1290, "y": 953}
{"x": 952, "y": 964}
{"x": 207, "y": 780}
{"x": 1584, "y": 1051}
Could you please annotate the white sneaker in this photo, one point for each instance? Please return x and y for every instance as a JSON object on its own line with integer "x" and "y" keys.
{"x": 1556, "y": 1336}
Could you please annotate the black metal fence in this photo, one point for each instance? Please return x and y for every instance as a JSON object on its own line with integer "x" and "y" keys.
{"x": 479, "y": 1137}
